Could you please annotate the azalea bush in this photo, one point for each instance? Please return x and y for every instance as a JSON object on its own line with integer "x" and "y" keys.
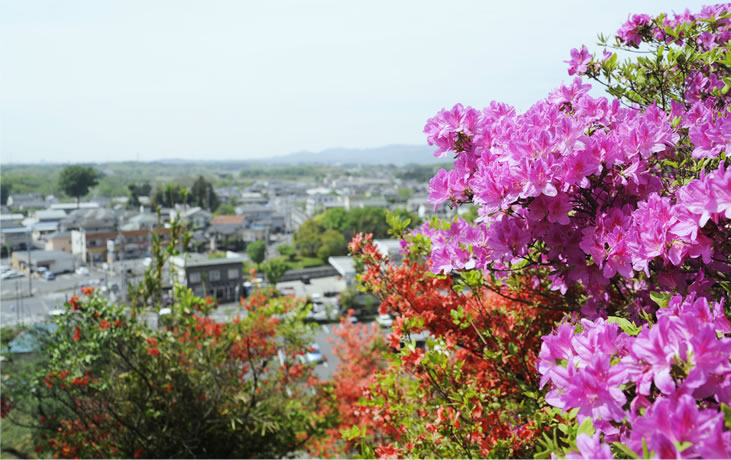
{"x": 602, "y": 227}
{"x": 617, "y": 210}
{"x": 464, "y": 363}
{"x": 194, "y": 387}
{"x": 360, "y": 349}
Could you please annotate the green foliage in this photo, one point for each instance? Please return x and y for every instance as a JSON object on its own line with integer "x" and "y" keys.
{"x": 273, "y": 270}
{"x": 203, "y": 195}
{"x": 286, "y": 250}
{"x": 8, "y": 333}
{"x": 332, "y": 243}
{"x": 256, "y": 251}
{"x": 225, "y": 210}
{"x": 76, "y": 181}
{"x": 333, "y": 219}
{"x": 307, "y": 238}
{"x": 405, "y": 193}
{"x": 169, "y": 195}
{"x": 136, "y": 191}
{"x": 5, "y": 189}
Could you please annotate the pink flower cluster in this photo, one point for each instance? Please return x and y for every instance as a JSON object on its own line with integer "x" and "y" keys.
{"x": 574, "y": 168}
{"x": 640, "y": 26}
{"x": 677, "y": 373}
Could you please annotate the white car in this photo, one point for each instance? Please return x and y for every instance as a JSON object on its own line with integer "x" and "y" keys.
{"x": 83, "y": 271}
{"x": 314, "y": 355}
{"x": 10, "y": 274}
{"x": 384, "y": 320}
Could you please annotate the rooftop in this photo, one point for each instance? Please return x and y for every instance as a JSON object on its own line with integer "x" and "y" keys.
{"x": 228, "y": 220}
{"x": 37, "y": 255}
{"x": 200, "y": 260}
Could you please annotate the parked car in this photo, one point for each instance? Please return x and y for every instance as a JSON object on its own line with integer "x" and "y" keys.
{"x": 49, "y": 275}
{"x": 314, "y": 355}
{"x": 83, "y": 271}
{"x": 384, "y": 320}
{"x": 10, "y": 274}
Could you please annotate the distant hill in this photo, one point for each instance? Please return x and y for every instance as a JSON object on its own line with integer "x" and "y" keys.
{"x": 389, "y": 154}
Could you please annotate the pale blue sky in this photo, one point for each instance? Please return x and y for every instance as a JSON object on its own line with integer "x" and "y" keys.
{"x": 108, "y": 81}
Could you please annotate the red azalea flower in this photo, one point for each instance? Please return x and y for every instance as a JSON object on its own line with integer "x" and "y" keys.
{"x": 77, "y": 334}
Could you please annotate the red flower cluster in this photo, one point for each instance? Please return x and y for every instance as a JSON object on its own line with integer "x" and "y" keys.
{"x": 5, "y": 406}
{"x": 152, "y": 350}
{"x": 87, "y": 291}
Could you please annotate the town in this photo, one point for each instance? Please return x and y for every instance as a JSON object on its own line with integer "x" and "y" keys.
{"x": 54, "y": 246}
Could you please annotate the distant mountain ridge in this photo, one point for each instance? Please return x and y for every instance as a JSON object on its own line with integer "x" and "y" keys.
{"x": 388, "y": 154}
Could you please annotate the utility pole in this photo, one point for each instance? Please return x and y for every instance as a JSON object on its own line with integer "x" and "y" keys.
{"x": 30, "y": 275}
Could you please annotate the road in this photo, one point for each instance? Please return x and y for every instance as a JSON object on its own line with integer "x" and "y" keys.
{"x": 17, "y": 307}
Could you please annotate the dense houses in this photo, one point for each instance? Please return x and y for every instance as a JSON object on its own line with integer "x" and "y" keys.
{"x": 105, "y": 230}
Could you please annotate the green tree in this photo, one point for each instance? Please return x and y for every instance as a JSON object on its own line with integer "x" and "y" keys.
{"x": 76, "y": 180}
{"x": 366, "y": 220}
{"x": 286, "y": 250}
{"x": 136, "y": 191}
{"x": 4, "y": 192}
{"x": 257, "y": 251}
{"x": 307, "y": 238}
{"x": 274, "y": 270}
{"x": 333, "y": 219}
{"x": 203, "y": 195}
{"x": 225, "y": 210}
{"x": 405, "y": 193}
{"x": 332, "y": 243}
{"x": 169, "y": 195}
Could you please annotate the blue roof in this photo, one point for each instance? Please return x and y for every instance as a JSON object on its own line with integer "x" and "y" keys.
{"x": 29, "y": 340}
{"x": 41, "y": 226}
{"x": 15, "y": 230}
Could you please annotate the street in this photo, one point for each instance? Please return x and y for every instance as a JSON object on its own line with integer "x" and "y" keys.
{"x": 16, "y": 306}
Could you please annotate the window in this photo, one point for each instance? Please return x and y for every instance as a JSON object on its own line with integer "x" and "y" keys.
{"x": 233, "y": 273}
{"x": 194, "y": 277}
{"x": 214, "y": 275}
{"x": 198, "y": 290}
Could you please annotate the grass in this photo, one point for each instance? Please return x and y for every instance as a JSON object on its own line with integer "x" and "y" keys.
{"x": 14, "y": 438}
{"x": 299, "y": 263}
{"x": 17, "y": 441}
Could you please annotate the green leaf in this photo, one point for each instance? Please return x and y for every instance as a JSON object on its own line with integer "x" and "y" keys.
{"x": 681, "y": 446}
{"x": 661, "y": 298}
{"x": 629, "y": 453}
{"x": 627, "y": 326}
{"x": 586, "y": 427}
{"x": 726, "y": 415}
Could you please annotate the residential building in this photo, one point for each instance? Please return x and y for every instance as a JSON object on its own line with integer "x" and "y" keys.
{"x": 195, "y": 217}
{"x": 227, "y": 231}
{"x": 55, "y": 261}
{"x": 220, "y": 278}
{"x": 14, "y": 238}
{"x": 110, "y": 246}
{"x": 141, "y": 222}
{"x": 59, "y": 241}
{"x": 92, "y": 220}
{"x": 70, "y": 207}
{"x": 11, "y": 220}
{"x": 26, "y": 201}
{"x": 41, "y": 230}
